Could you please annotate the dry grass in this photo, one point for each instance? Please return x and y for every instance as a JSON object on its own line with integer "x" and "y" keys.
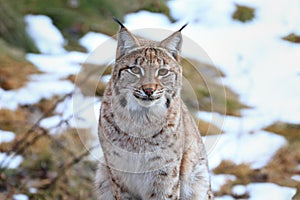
{"x": 207, "y": 128}
{"x": 288, "y": 130}
{"x": 54, "y": 165}
{"x": 14, "y": 69}
{"x": 292, "y": 37}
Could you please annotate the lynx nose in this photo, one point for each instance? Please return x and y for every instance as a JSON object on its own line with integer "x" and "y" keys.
{"x": 149, "y": 89}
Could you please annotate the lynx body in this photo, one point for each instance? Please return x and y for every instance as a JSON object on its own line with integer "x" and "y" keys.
{"x": 152, "y": 147}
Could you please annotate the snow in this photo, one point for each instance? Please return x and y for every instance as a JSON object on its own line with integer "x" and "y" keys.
{"x": 20, "y": 197}
{"x": 296, "y": 177}
{"x": 217, "y": 181}
{"x": 6, "y": 136}
{"x": 255, "y": 149}
{"x": 58, "y": 65}
{"x": 145, "y": 19}
{"x": 262, "y": 191}
{"x": 46, "y": 36}
{"x": 10, "y": 161}
{"x": 33, "y": 92}
{"x": 259, "y": 65}
{"x": 52, "y": 123}
{"x": 226, "y": 197}
{"x": 239, "y": 190}
{"x": 105, "y": 78}
{"x": 241, "y": 134}
{"x": 92, "y": 40}
{"x": 33, "y": 190}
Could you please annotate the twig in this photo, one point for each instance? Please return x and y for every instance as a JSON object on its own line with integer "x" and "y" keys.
{"x": 67, "y": 166}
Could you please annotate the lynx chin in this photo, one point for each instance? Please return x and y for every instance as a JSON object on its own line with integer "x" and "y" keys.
{"x": 151, "y": 144}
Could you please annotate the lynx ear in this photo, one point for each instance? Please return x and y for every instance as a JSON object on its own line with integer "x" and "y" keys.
{"x": 173, "y": 43}
{"x": 126, "y": 40}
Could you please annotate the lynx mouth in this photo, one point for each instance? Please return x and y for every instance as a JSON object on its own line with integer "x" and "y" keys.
{"x": 146, "y": 98}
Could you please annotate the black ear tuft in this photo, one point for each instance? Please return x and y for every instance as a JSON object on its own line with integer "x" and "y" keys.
{"x": 183, "y": 27}
{"x": 126, "y": 40}
{"x": 118, "y": 21}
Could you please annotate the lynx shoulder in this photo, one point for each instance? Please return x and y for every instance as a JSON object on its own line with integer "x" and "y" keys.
{"x": 151, "y": 145}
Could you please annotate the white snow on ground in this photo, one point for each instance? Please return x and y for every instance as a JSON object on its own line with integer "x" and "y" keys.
{"x": 219, "y": 180}
{"x": 10, "y": 161}
{"x": 243, "y": 140}
{"x": 6, "y": 136}
{"x": 255, "y": 149}
{"x": 145, "y": 19}
{"x": 47, "y": 37}
{"x": 239, "y": 190}
{"x": 263, "y": 191}
{"x": 79, "y": 111}
{"x": 296, "y": 177}
{"x": 92, "y": 40}
{"x": 259, "y": 65}
{"x": 227, "y": 197}
{"x": 58, "y": 65}
{"x": 20, "y": 197}
{"x": 33, "y": 92}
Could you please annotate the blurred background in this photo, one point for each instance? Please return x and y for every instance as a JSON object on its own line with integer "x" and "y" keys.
{"x": 244, "y": 93}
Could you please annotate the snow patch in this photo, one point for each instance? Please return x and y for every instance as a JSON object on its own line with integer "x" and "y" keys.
{"x": 262, "y": 191}
{"x": 10, "y": 161}
{"x": 296, "y": 177}
{"x": 46, "y": 36}
{"x": 217, "y": 181}
{"x": 6, "y": 136}
{"x": 92, "y": 40}
{"x": 20, "y": 197}
{"x": 239, "y": 190}
{"x": 255, "y": 149}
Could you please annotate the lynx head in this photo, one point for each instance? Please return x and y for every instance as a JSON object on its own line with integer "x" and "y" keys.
{"x": 146, "y": 72}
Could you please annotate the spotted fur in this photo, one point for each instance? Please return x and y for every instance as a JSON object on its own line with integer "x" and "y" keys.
{"x": 152, "y": 147}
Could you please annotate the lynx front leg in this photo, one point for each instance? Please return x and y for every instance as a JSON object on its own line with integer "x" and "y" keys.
{"x": 165, "y": 185}
{"x": 119, "y": 191}
{"x": 103, "y": 184}
{"x": 195, "y": 185}
{"x": 108, "y": 188}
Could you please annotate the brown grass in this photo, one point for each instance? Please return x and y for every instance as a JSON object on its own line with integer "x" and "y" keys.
{"x": 288, "y": 130}
{"x": 207, "y": 128}
{"x": 14, "y": 69}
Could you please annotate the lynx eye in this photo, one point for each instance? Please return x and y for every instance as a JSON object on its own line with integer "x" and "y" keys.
{"x": 162, "y": 72}
{"x": 135, "y": 70}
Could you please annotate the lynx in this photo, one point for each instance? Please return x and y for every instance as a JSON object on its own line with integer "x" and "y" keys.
{"x": 152, "y": 147}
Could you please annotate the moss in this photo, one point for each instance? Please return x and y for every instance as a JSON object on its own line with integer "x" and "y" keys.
{"x": 292, "y": 37}
{"x": 88, "y": 15}
{"x": 243, "y": 13}
{"x": 12, "y": 27}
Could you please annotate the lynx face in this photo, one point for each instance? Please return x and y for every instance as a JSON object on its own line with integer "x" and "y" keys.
{"x": 147, "y": 77}
{"x": 147, "y": 73}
